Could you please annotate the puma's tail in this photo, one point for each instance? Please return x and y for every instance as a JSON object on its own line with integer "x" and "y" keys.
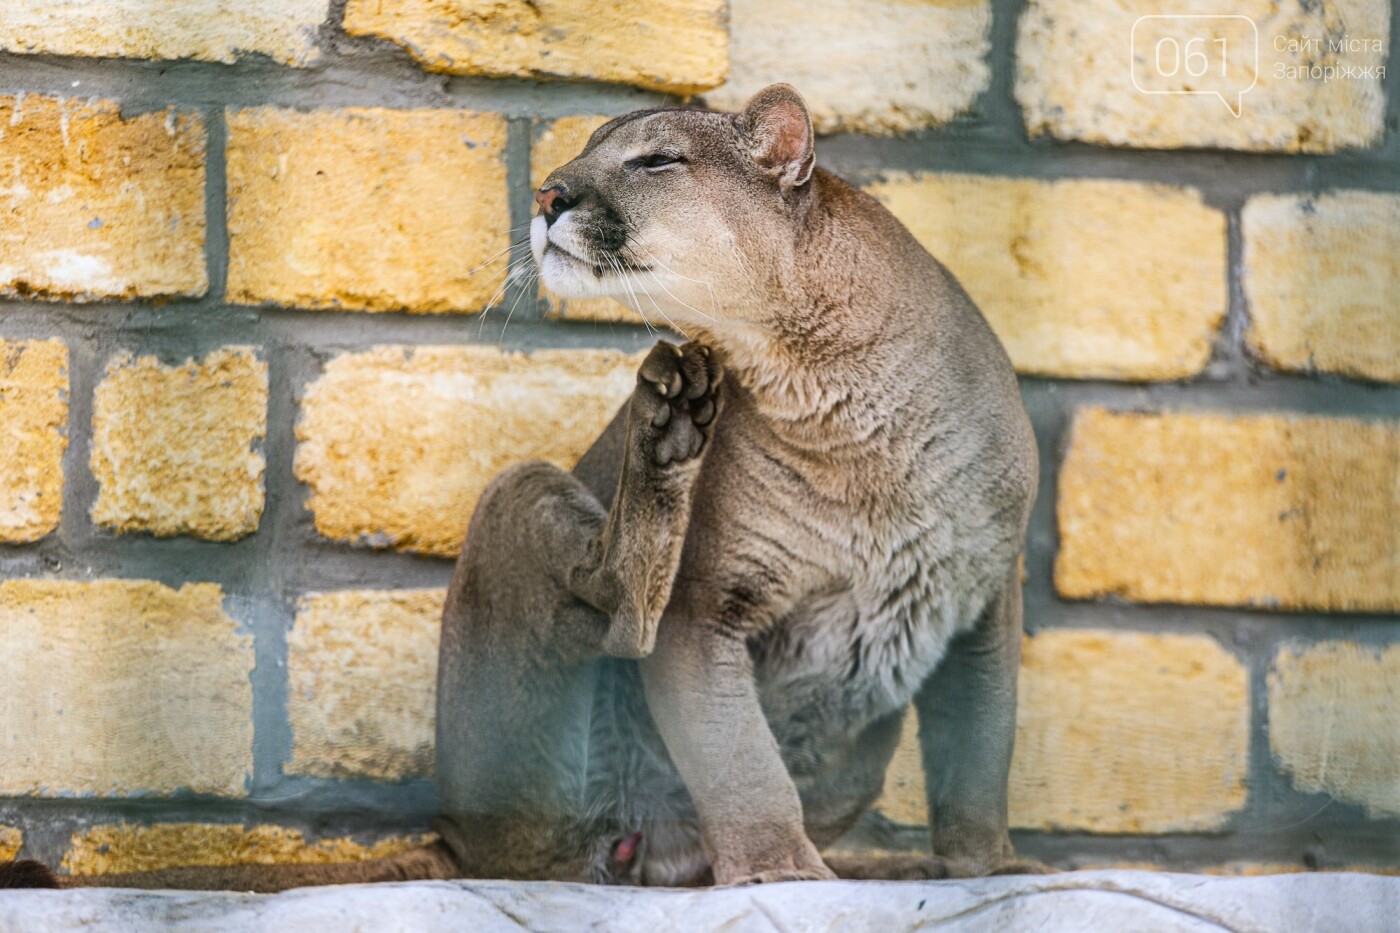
{"x": 432, "y": 862}
{"x": 26, "y": 874}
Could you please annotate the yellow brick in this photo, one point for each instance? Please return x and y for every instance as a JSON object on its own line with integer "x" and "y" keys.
{"x": 1323, "y": 279}
{"x": 1273, "y": 511}
{"x": 175, "y": 449}
{"x": 558, "y": 141}
{"x": 1047, "y": 262}
{"x": 555, "y": 143}
{"x": 119, "y": 687}
{"x": 125, "y": 847}
{"x": 208, "y": 30}
{"x": 1129, "y": 733}
{"x": 397, "y": 443}
{"x": 11, "y": 841}
{"x": 33, "y": 431}
{"x": 367, "y": 209}
{"x": 110, "y": 207}
{"x": 679, "y": 46}
{"x": 362, "y": 672}
{"x": 1074, "y": 79}
{"x": 1116, "y": 733}
{"x": 864, "y": 66}
{"x": 1332, "y": 722}
{"x": 903, "y": 799}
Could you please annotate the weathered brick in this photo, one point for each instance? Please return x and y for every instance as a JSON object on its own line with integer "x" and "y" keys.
{"x": 679, "y": 46}
{"x": 1075, "y": 81}
{"x": 904, "y": 798}
{"x": 1264, "y": 510}
{"x": 1332, "y": 725}
{"x": 397, "y": 443}
{"x": 208, "y": 30}
{"x": 362, "y": 672}
{"x": 1322, "y": 274}
{"x": 1046, "y": 262}
{"x": 367, "y": 209}
{"x": 110, "y": 207}
{"x": 122, "y": 687}
{"x": 34, "y": 425}
{"x": 864, "y": 66}
{"x": 1116, "y": 732}
{"x": 555, "y": 143}
{"x": 1128, "y": 732}
{"x": 126, "y": 847}
{"x": 11, "y": 841}
{"x": 175, "y": 449}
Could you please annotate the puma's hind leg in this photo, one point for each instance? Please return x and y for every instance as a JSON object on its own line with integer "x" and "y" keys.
{"x": 967, "y": 729}
{"x": 557, "y": 571}
{"x": 550, "y": 580}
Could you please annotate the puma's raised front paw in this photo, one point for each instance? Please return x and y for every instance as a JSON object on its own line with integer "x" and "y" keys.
{"x": 678, "y": 389}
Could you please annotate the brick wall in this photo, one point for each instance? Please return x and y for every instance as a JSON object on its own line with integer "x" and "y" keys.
{"x": 250, "y": 389}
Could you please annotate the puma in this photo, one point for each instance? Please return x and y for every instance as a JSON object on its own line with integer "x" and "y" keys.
{"x": 687, "y": 660}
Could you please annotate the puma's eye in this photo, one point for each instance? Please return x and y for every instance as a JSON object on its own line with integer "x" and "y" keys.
{"x": 655, "y": 160}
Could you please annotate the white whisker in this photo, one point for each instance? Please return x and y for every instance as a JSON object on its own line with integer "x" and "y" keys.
{"x": 626, "y": 284}
{"x": 652, "y": 259}
{"x": 520, "y": 293}
{"x": 677, "y": 300}
{"x": 659, "y": 310}
{"x": 493, "y": 257}
{"x": 518, "y": 267}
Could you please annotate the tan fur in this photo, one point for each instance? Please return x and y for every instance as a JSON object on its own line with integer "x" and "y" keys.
{"x": 868, "y": 495}
{"x": 708, "y": 632}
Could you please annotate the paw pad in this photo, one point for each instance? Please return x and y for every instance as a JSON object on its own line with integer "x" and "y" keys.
{"x": 680, "y": 387}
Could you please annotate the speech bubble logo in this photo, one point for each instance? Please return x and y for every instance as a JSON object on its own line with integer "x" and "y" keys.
{"x": 1211, "y": 54}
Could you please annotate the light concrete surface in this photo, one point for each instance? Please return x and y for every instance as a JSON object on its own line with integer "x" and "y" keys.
{"x": 1099, "y": 900}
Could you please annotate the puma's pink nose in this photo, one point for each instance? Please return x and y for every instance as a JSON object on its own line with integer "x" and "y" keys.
{"x": 552, "y": 201}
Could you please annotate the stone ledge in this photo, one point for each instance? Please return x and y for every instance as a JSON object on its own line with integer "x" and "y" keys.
{"x": 1095, "y": 900}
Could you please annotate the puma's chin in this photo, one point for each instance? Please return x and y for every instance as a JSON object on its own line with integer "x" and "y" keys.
{"x": 565, "y": 274}
{"x": 570, "y": 277}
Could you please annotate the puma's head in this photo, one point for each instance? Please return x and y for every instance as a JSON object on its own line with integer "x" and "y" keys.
{"x": 681, "y": 214}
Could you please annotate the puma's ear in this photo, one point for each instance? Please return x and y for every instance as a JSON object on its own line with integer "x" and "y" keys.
{"x": 778, "y": 129}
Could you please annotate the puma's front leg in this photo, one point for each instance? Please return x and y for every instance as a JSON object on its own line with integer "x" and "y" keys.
{"x": 701, "y": 693}
{"x": 632, "y": 565}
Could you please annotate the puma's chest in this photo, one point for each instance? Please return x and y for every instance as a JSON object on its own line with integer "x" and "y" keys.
{"x": 846, "y": 655}
{"x": 862, "y": 575}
